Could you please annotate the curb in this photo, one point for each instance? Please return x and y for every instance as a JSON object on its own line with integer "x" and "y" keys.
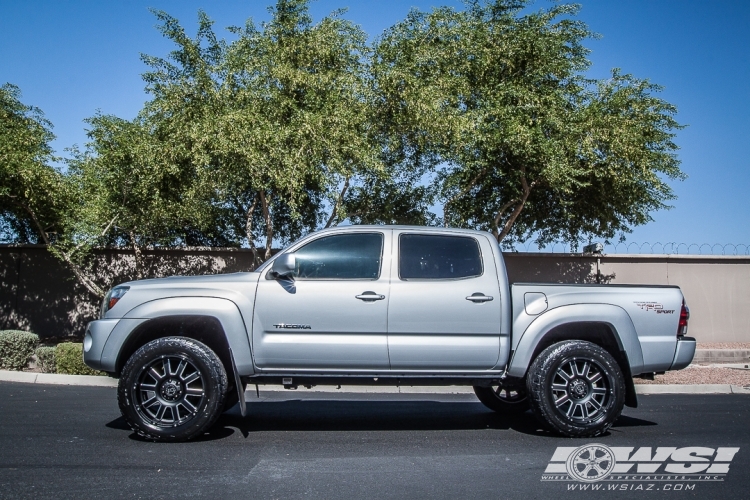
{"x": 721, "y": 356}
{"x": 99, "y": 381}
{"x": 57, "y": 379}
{"x": 648, "y": 389}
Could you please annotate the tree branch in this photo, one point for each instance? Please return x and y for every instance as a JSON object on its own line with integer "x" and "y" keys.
{"x": 472, "y": 183}
{"x": 249, "y": 231}
{"x": 499, "y": 215}
{"x": 269, "y": 223}
{"x": 137, "y": 254}
{"x": 519, "y": 204}
{"x": 338, "y": 202}
{"x": 38, "y": 224}
{"x": 87, "y": 283}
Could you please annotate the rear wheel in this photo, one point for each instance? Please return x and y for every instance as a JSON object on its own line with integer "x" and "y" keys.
{"x": 576, "y": 388}
{"x": 172, "y": 389}
{"x": 503, "y": 398}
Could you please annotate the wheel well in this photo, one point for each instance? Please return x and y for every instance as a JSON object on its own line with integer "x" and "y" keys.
{"x": 205, "y": 329}
{"x": 601, "y": 334}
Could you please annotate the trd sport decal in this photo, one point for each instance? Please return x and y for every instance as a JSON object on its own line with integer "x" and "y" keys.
{"x": 654, "y": 306}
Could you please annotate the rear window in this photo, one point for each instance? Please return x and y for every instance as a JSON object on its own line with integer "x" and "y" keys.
{"x": 431, "y": 257}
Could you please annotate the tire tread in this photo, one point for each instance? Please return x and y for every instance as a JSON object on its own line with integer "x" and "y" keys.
{"x": 217, "y": 375}
{"x": 539, "y": 370}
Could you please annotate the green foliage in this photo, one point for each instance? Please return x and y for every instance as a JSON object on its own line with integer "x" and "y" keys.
{"x": 279, "y": 119}
{"x": 295, "y": 124}
{"x": 526, "y": 144}
{"x": 69, "y": 360}
{"x": 16, "y": 347}
{"x": 393, "y": 199}
{"x": 45, "y": 359}
{"x": 33, "y": 194}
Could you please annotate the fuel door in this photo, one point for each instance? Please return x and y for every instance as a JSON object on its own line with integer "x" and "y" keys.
{"x": 534, "y": 303}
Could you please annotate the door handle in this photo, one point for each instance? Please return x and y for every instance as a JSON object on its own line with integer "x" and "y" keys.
{"x": 479, "y": 297}
{"x": 369, "y": 296}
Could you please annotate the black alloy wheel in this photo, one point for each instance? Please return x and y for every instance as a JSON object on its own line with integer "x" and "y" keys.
{"x": 169, "y": 391}
{"x": 577, "y": 388}
{"x": 172, "y": 389}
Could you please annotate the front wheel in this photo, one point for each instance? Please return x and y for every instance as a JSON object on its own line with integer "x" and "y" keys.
{"x": 576, "y": 388}
{"x": 172, "y": 389}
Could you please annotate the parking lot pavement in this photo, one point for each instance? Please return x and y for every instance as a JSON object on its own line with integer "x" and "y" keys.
{"x": 70, "y": 442}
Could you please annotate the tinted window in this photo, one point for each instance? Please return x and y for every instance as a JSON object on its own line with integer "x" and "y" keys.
{"x": 344, "y": 256}
{"x": 438, "y": 257}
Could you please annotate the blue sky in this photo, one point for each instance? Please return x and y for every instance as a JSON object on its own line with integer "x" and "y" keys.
{"x": 71, "y": 58}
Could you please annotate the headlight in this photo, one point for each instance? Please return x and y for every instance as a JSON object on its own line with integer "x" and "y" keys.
{"x": 112, "y": 297}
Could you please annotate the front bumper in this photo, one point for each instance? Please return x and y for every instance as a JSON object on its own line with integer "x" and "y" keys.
{"x": 104, "y": 339}
{"x": 683, "y": 354}
{"x": 97, "y": 333}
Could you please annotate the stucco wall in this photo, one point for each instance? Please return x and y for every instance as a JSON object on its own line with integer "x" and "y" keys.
{"x": 38, "y": 293}
{"x": 716, "y": 288}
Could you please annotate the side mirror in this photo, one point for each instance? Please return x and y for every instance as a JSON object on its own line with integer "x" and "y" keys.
{"x": 283, "y": 266}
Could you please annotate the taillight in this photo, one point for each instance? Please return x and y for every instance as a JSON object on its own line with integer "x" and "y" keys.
{"x": 684, "y": 317}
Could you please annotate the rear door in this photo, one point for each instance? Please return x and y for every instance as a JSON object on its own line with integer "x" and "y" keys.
{"x": 333, "y": 314}
{"x": 444, "y": 311}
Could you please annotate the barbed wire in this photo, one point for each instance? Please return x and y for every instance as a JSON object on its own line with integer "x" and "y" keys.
{"x": 646, "y": 248}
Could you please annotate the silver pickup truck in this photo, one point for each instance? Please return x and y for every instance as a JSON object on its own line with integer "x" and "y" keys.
{"x": 384, "y": 305}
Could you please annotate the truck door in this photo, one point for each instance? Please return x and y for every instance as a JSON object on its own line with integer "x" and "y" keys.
{"x": 333, "y": 313}
{"x": 444, "y": 310}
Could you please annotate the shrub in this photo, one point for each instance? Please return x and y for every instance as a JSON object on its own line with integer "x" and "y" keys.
{"x": 69, "y": 359}
{"x": 16, "y": 347}
{"x": 45, "y": 359}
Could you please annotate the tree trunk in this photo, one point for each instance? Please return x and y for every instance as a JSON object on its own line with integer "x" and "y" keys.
{"x": 518, "y": 203}
{"x": 339, "y": 200}
{"x": 249, "y": 232}
{"x": 269, "y": 224}
{"x": 138, "y": 255}
{"x": 84, "y": 280}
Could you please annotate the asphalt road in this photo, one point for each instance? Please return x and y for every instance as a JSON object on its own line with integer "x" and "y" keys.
{"x": 70, "y": 442}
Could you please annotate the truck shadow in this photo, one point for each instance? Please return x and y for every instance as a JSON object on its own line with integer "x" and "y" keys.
{"x": 338, "y": 415}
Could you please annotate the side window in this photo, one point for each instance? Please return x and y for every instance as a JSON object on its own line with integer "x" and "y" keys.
{"x": 430, "y": 257}
{"x": 342, "y": 256}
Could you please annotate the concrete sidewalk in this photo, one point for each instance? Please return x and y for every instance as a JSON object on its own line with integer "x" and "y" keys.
{"x": 98, "y": 381}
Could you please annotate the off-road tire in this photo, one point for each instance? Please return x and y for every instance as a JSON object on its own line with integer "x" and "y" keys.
{"x": 585, "y": 404}
{"x": 503, "y": 399}
{"x": 189, "y": 385}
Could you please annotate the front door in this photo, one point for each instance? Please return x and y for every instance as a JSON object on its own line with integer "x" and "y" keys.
{"x": 333, "y": 313}
{"x": 444, "y": 311}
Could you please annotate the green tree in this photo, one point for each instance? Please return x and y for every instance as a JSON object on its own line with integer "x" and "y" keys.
{"x": 135, "y": 192}
{"x": 32, "y": 191}
{"x": 279, "y": 119}
{"x": 523, "y": 143}
{"x": 37, "y": 201}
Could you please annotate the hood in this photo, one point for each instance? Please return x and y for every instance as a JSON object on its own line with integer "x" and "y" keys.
{"x": 186, "y": 281}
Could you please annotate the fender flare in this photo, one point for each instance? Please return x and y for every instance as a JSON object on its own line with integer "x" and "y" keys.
{"x": 223, "y": 310}
{"x": 614, "y": 316}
